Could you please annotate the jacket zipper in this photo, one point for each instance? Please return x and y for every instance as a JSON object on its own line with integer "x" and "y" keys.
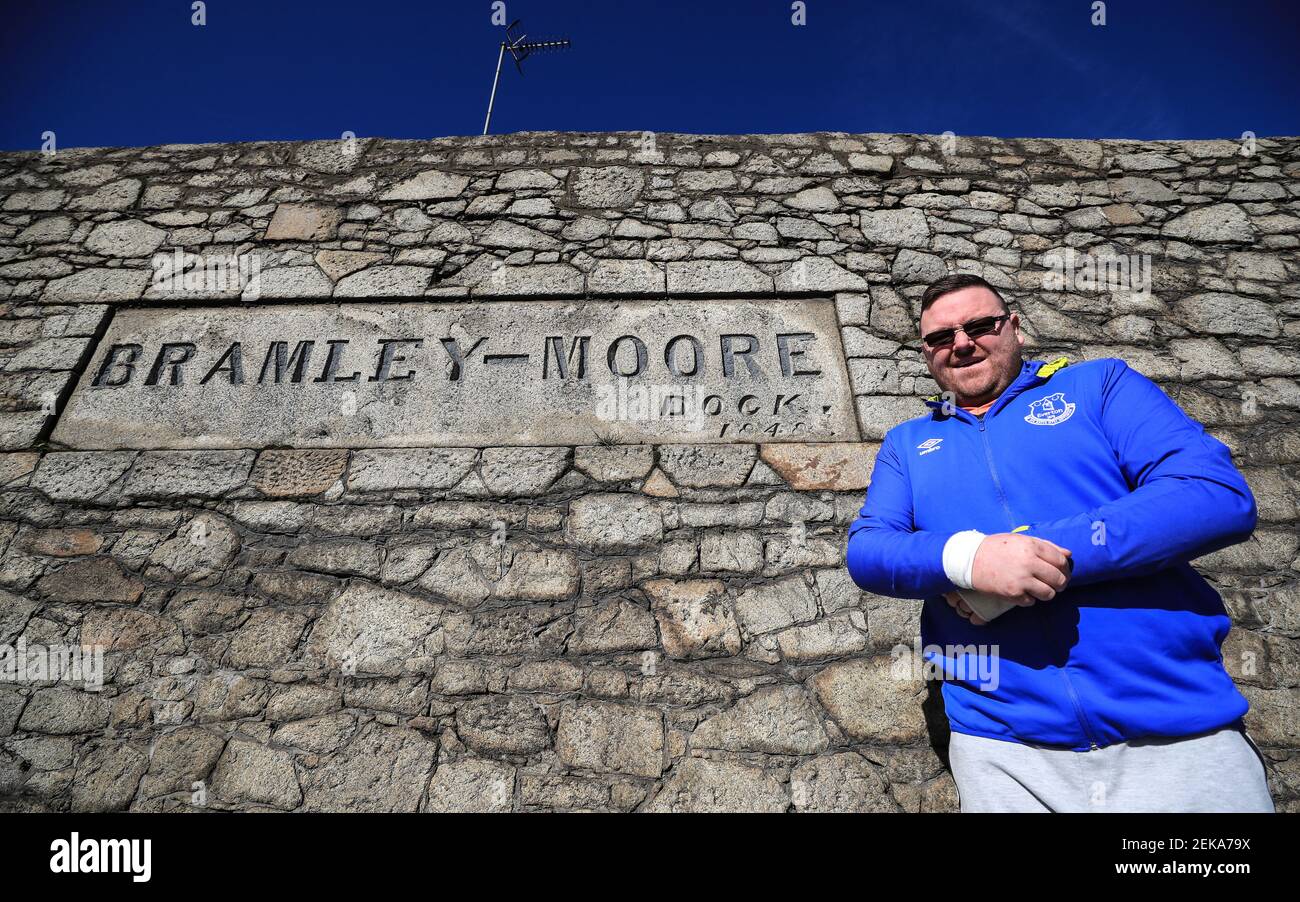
{"x": 993, "y": 471}
{"x": 1078, "y": 709}
{"x": 1069, "y": 686}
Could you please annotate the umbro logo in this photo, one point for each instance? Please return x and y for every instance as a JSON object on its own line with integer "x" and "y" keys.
{"x": 930, "y": 444}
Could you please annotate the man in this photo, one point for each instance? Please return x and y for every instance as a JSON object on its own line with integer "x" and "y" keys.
{"x": 1064, "y": 502}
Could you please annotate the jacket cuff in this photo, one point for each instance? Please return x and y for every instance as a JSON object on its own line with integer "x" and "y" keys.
{"x": 959, "y": 556}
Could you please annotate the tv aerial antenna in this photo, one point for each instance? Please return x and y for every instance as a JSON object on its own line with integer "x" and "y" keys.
{"x": 520, "y": 49}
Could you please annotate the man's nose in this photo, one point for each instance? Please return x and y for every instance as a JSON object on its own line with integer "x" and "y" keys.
{"x": 962, "y": 342}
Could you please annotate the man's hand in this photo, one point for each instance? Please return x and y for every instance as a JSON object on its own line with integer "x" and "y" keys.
{"x": 955, "y": 600}
{"x": 1020, "y": 568}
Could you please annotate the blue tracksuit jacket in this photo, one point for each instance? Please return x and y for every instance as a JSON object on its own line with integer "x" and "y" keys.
{"x": 1096, "y": 458}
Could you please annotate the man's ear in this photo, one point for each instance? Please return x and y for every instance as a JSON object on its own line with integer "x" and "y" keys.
{"x": 1015, "y": 324}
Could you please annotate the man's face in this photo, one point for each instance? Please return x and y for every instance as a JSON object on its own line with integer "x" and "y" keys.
{"x": 975, "y": 370}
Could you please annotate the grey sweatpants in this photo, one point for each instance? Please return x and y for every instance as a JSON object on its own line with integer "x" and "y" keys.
{"x": 1218, "y": 771}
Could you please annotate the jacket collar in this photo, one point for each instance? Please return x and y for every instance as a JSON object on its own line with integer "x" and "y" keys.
{"x": 1032, "y": 372}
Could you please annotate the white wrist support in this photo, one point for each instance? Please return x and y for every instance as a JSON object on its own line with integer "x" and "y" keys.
{"x": 959, "y": 556}
{"x": 987, "y": 606}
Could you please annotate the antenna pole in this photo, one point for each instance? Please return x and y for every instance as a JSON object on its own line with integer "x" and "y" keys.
{"x": 519, "y": 48}
{"x": 500, "y": 55}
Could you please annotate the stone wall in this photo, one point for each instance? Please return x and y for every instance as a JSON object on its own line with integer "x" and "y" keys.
{"x": 606, "y": 626}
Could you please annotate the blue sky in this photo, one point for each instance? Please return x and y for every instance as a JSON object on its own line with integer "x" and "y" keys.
{"x": 138, "y": 73}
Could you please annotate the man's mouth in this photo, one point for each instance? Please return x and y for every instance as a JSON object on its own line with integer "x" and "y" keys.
{"x": 962, "y": 366}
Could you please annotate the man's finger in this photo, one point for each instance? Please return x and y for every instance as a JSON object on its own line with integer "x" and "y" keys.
{"x": 1046, "y": 573}
{"x": 1036, "y": 588}
{"x": 1050, "y": 544}
{"x": 969, "y": 614}
{"x": 952, "y": 599}
{"x": 1052, "y": 553}
{"x": 1060, "y": 561}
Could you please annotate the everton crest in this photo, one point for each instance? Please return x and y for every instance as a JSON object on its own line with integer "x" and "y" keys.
{"x": 1050, "y": 410}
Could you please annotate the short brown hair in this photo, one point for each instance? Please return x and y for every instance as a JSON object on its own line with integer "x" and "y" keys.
{"x": 956, "y": 282}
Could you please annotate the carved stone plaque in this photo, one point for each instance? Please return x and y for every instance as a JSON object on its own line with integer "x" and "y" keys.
{"x": 421, "y": 374}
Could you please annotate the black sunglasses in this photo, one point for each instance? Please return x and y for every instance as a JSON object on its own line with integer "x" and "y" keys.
{"x": 941, "y": 338}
